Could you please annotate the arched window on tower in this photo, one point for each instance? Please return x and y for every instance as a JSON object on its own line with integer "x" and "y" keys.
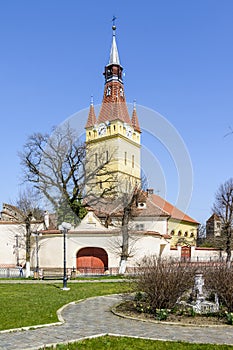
{"x": 132, "y": 161}
{"x": 107, "y": 156}
{"x": 108, "y": 91}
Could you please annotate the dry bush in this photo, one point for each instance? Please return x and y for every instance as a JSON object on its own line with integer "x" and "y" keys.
{"x": 219, "y": 279}
{"x": 163, "y": 281}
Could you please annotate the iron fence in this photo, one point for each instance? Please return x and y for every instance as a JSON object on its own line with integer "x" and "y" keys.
{"x": 9, "y": 272}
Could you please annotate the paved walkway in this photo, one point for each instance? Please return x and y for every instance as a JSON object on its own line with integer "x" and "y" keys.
{"x": 93, "y": 317}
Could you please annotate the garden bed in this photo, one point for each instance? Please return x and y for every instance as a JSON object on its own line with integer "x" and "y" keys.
{"x": 127, "y": 308}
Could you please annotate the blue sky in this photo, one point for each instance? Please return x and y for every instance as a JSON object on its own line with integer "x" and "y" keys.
{"x": 177, "y": 57}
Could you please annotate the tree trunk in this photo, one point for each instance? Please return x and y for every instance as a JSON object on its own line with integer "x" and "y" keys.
{"x": 28, "y": 244}
{"x": 125, "y": 238}
{"x": 125, "y": 232}
{"x": 125, "y": 246}
{"x": 123, "y": 265}
{"x": 228, "y": 245}
{"x": 28, "y": 269}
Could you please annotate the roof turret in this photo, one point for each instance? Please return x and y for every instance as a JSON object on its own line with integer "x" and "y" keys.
{"x": 91, "y": 120}
{"x": 134, "y": 119}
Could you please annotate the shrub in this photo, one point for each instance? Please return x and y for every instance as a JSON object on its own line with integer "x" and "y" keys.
{"x": 163, "y": 281}
{"x": 229, "y": 316}
{"x": 219, "y": 279}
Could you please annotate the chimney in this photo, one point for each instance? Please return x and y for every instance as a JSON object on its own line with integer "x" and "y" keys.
{"x": 150, "y": 191}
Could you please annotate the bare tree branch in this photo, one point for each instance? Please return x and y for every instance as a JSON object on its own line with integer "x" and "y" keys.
{"x": 223, "y": 207}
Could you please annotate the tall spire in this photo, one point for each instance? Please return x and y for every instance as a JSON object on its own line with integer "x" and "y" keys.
{"x": 114, "y": 56}
{"x": 114, "y": 104}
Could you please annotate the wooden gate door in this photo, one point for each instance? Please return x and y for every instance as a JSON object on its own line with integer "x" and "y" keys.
{"x": 185, "y": 253}
{"x": 92, "y": 260}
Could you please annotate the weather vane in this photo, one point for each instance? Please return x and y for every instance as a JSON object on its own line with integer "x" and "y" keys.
{"x": 113, "y": 22}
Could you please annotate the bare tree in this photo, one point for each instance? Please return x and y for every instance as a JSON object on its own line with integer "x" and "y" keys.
{"x": 31, "y": 215}
{"x": 223, "y": 207}
{"x": 72, "y": 175}
{"x": 123, "y": 207}
{"x": 115, "y": 245}
{"x": 201, "y": 234}
{"x": 55, "y": 166}
{"x": 58, "y": 167}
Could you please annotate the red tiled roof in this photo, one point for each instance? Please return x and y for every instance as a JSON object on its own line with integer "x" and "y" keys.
{"x": 91, "y": 120}
{"x": 4, "y": 222}
{"x": 114, "y": 106}
{"x": 135, "y": 121}
{"x": 50, "y": 231}
{"x": 154, "y": 233}
{"x": 150, "y": 210}
{"x": 155, "y": 206}
{"x": 174, "y": 212}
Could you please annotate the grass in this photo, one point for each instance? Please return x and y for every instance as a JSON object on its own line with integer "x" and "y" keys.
{"x": 98, "y": 277}
{"x": 33, "y": 304}
{"x": 123, "y": 343}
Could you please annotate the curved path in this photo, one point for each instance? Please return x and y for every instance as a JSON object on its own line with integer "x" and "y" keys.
{"x": 92, "y": 317}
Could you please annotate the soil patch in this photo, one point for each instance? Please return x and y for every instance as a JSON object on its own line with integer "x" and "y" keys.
{"x": 127, "y": 309}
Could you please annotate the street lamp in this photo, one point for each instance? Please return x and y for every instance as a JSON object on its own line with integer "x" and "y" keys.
{"x": 64, "y": 228}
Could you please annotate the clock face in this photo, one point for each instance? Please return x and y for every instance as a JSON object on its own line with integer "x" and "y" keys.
{"x": 102, "y": 129}
{"x": 129, "y": 132}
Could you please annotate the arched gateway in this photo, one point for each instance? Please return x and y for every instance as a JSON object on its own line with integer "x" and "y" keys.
{"x": 92, "y": 260}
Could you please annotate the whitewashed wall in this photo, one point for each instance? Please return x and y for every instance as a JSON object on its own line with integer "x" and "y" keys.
{"x": 51, "y": 248}
{"x": 206, "y": 254}
{"x": 8, "y": 250}
{"x": 157, "y": 225}
{"x": 8, "y": 243}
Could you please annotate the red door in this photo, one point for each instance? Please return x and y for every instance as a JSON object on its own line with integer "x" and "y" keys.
{"x": 92, "y": 260}
{"x": 185, "y": 253}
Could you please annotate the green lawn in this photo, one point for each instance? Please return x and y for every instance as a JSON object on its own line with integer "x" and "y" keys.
{"x": 123, "y": 343}
{"x": 34, "y": 304}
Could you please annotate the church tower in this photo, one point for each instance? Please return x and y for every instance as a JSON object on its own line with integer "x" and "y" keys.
{"x": 113, "y": 139}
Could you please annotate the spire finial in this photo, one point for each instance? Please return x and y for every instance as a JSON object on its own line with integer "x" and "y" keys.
{"x": 134, "y": 104}
{"x": 92, "y": 100}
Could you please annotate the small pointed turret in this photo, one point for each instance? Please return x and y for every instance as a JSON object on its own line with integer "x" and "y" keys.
{"x": 134, "y": 119}
{"x": 91, "y": 120}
